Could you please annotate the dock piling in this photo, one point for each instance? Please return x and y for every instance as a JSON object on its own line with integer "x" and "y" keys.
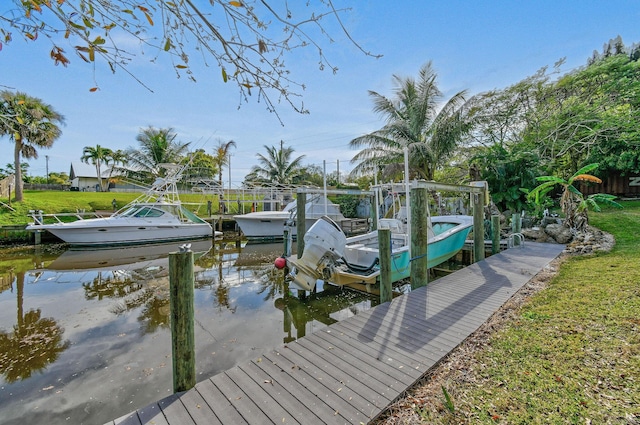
{"x": 301, "y": 223}
{"x": 419, "y": 238}
{"x": 495, "y": 234}
{"x": 478, "y": 200}
{"x": 384, "y": 248}
{"x": 182, "y": 319}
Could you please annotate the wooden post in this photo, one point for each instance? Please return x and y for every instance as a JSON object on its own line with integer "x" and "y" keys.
{"x": 182, "y": 319}
{"x": 478, "y": 225}
{"x": 287, "y": 242}
{"x": 384, "y": 250}
{"x": 301, "y": 223}
{"x": 495, "y": 234}
{"x": 419, "y": 238}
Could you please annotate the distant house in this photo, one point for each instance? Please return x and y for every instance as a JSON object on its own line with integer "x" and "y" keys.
{"x": 83, "y": 177}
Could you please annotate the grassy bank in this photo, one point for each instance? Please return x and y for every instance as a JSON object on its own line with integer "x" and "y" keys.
{"x": 571, "y": 354}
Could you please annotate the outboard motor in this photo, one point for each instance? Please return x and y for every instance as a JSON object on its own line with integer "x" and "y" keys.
{"x": 324, "y": 244}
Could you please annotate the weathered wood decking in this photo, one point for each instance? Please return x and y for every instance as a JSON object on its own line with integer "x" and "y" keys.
{"x": 351, "y": 371}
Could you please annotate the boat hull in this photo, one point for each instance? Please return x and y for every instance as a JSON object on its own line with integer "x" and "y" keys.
{"x": 361, "y": 252}
{"x": 116, "y": 232}
{"x": 264, "y": 227}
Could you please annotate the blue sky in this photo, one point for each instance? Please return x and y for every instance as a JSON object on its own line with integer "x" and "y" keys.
{"x": 474, "y": 45}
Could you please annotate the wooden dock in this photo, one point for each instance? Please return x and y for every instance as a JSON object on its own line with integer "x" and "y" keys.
{"x": 349, "y": 372}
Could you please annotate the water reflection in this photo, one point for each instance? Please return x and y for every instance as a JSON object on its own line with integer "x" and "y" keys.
{"x": 320, "y": 307}
{"x": 90, "y": 341}
{"x": 34, "y": 343}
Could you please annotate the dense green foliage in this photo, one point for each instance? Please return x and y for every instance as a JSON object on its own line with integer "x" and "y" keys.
{"x": 552, "y": 124}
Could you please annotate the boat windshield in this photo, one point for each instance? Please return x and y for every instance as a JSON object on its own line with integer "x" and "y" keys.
{"x": 141, "y": 212}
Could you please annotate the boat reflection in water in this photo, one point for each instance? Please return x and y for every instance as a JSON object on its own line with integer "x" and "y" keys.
{"x": 90, "y": 340}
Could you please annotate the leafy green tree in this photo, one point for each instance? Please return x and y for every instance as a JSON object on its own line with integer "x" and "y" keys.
{"x": 202, "y": 165}
{"x": 418, "y": 119}
{"x": 507, "y": 170}
{"x": 31, "y": 124}
{"x": 156, "y": 146}
{"x": 97, "y": 156}
{"x": 590, "y": 115}
{"x": 277, "y": 166}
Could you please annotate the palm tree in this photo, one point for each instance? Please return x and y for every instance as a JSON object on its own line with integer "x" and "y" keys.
{"x": 157, "y": 146}
{"x": 116, "y": 157}
{"x": 572, "y": 202}
{"x": 413, "y": 120}
{"x": 31, "y": 124}
{"x": 221, "y": 158}
{"x": 97, "y": 156}
{"x": 277, "y": 166}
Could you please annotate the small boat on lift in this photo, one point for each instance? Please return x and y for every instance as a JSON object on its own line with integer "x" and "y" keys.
{"x": 156, "y": 216}
{"x": 331, "y": 256}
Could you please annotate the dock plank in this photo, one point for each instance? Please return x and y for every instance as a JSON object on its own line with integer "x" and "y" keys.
{"x": 400, "y": 367}
{"x": 247, "y": 407}
{"x": 199, "y": 409}
{"x": 335, "y": 408}
{"x": 173, "y": 408}
{"x": 345, "y": 403}
{"x": 301, "y": 413}
{"x": 224, "y": 410}
{"x": 350, "y": 371}
{"x": 298, "y": 392}
{"x": 256, "y": 392}
{"x": 360, "y": 390}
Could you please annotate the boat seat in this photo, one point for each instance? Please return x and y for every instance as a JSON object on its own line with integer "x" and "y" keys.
{"x": 355, "y": 246}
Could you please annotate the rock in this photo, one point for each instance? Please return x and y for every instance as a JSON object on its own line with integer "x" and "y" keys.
{"x": 559, "y": 233}
{"x": 536, "y": 234}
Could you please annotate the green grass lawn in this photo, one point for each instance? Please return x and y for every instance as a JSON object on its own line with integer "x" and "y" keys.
{"x": 571, "y": 356}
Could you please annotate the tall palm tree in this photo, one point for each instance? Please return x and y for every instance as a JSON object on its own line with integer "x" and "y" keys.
{"x": 221, "y": 158}
{"x": 97, "y": 156}
{"x": 277, "y": 166}
{"x": 118, "y": 159}
{"x": 414, "y": 119}
{"x": 156, "y": 146}
{"x": 31, "y": 124}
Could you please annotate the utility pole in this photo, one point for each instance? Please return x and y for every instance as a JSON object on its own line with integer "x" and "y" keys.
{"x": 47, "y": 167}
{"x": 229, "y": 191}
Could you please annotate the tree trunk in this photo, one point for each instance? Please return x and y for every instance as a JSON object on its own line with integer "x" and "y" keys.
{"x": 18, "y": 170}
{"x": 98, "y": 172}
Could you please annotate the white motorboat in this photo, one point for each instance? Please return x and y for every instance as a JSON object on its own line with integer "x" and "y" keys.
{"x": 271, "y": 224}
{"x": 157, "y": 216}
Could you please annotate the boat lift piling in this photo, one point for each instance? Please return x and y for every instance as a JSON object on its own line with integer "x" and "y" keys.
{"x": 301, "y": 221}
{"x": 419, "y": 238}
{"x": 384, "y": 249}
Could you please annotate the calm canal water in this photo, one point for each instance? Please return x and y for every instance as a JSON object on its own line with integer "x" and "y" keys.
{"x": 85, "y": 337}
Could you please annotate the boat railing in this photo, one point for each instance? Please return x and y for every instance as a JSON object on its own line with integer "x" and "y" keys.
{"x": 39, "y": 218}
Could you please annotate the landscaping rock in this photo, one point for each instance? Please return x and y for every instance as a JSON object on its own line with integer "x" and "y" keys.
{"x": 559, "y": 233}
